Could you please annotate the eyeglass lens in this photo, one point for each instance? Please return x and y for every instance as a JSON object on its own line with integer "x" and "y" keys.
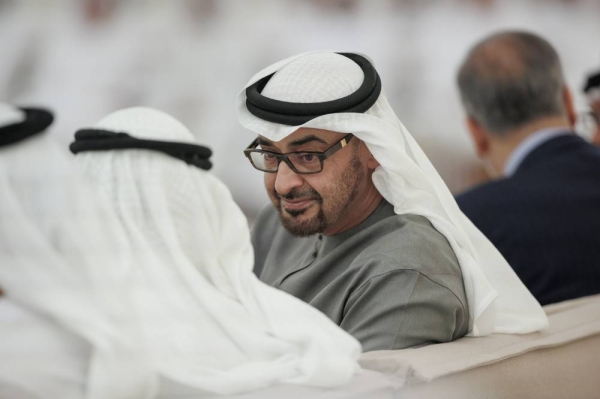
{"x": 302, "y": 162}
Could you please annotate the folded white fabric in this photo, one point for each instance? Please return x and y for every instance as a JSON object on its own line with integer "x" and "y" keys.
{"x": 41, "y": 358}
{"x": 211, "y": 324}
{"x": 498, "y": 301}
{"x": 63, "y": 272}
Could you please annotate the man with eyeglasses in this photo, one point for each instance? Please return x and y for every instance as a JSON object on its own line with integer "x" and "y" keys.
{"x": 303, "y": 192}
{"x": 592, "y": 92}
{"x": 361, "y": 226}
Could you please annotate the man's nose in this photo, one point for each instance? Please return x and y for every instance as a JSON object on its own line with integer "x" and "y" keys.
{"x": 286, "y": 179}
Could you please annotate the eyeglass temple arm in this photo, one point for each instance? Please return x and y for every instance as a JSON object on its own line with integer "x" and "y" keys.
{"x": 343, "y": 142}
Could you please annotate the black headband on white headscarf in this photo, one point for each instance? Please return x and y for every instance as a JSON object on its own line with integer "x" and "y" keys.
{"x": 30, "y": 121}
{"x": 104, "y": 140}
{"x": 297, "y": 113}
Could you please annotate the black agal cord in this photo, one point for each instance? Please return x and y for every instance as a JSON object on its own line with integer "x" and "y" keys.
{"x": 36, "y": 121}
{"x": 294, "y": 114}
{"x": 103, "y": 140}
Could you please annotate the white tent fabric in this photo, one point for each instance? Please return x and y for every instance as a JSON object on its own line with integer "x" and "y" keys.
{"x": 211, "y": 324}
{"x": 63, "y": 272}
{"x": 498, "y": 300}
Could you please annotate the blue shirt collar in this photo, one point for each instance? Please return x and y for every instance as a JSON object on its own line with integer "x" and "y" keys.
{"x": 526, "y": 146}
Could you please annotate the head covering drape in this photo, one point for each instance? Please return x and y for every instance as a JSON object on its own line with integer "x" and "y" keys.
{"x": 210, "y": 323}
{"x": 498, "y": 301}
{"x": 61, "y": 259}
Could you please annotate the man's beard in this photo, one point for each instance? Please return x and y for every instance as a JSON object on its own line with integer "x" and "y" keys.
{"x": 331, "y": 209}
{"x": 290, "y": 218}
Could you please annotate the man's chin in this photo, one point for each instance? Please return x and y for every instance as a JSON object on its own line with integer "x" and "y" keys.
{"x": 301, "y": 223}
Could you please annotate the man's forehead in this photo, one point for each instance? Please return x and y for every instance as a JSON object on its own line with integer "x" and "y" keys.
{"x": 304, "y": 135}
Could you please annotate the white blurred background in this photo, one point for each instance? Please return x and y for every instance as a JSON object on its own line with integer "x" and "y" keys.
{"x": 86, "y": 58}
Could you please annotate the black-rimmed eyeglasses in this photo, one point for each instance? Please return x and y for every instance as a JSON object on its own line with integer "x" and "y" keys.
{"x": 305, "y": 162}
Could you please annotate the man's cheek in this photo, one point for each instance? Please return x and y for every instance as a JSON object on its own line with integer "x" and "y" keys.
{"x": 269, "y": 181}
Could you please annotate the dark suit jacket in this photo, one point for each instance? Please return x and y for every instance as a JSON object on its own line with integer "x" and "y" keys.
{"x": 545, "y": 219}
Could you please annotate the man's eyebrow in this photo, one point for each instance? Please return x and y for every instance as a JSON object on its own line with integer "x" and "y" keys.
{"x": 307, "y": 139}
{"x": 264, "y": 142}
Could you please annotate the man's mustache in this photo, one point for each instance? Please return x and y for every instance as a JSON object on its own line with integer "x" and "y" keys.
{"x": 307, "y": 193}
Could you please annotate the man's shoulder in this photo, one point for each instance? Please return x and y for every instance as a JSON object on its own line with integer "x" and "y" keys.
{"x": 411, "y": 255}
{"x": 483, "y": 190}
{"x": 488, "y": 197}
{"x": 409, "y": 242}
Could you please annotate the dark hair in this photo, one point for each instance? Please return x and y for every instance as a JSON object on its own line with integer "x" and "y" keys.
{"x": 510, "y": 79}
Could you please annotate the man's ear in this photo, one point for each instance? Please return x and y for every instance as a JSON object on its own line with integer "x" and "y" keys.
{"x": 569, "y": 106}
{"x": 595, "y": 105}
{"x": 371, "y": 162}
{"x": 596, "y": 138}
{"x": 479, "y": 137}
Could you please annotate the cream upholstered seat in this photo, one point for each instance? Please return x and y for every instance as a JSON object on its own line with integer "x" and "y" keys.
{"x": 562, "y": 361}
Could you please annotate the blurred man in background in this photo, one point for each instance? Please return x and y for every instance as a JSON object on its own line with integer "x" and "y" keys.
{"x": 592, "y": 92}
{"x": 543, "y": 213}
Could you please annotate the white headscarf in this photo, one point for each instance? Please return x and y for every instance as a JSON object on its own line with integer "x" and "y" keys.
{"x": 10, "y": 115}
{"x": 498, "y": 300}
{"x": 61, "y": 260}
{"x": 210, "y": 323}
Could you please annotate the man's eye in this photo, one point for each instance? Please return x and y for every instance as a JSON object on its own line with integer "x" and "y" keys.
{"x": 268, "y": 156}
{"x": 307, "y": 159}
